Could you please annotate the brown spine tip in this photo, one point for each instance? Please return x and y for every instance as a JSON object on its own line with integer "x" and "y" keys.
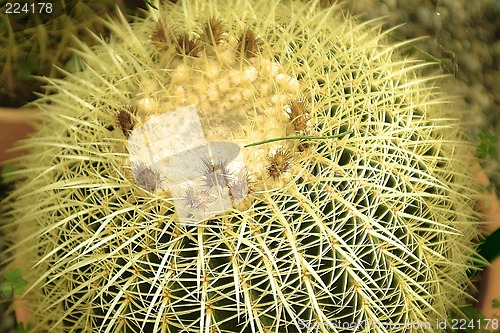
{"x": 159, "y": 35}
{"x": 240, "y": 186}
{"x": 125, "y": 120}
{"x": 162, "y": 37}
{"x": 197, "y": 199}
{"x": 298, "y": 115}
{"x": 248, "y": 44}
{"x": 216, "y": 174}
{"x": 213, "y": 31}
{"x": 146, "y": 177}
{"x": 280, "y": 162}
{"x": 188, "y": 46}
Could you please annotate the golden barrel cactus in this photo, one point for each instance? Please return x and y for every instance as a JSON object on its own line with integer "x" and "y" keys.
{"x": 258, "y": 166}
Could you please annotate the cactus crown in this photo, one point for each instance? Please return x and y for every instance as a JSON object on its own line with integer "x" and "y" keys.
{"x": 365, "y": 216}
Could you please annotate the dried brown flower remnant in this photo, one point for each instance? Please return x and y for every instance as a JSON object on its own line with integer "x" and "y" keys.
{"x": 125, "y": 119}
{"x": 213, "y": 31}
{"x": 146, "y": 177}
{"x": 280, "y": 162}
{"x": 240, "y": 186}
{"x": 158, "y": 35}
{"x": 197, "y": 199}
{"x": 163, "y": 37}
{"x": 216, "y": 174}
{"x": 188, "y": 46}
{"x": 248, "y": 44}
{"x": 297, "y": 114}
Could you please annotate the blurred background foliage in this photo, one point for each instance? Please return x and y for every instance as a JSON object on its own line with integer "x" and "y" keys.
{"x": 33, "y": 45}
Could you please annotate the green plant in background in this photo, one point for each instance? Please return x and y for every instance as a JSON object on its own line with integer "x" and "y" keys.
{"x": 13, "y": 282}
{"x": 22, "y": 329}
{"x": 362, "y": 217}
{"x": 472, "y": 321}
{"x": 486, "y": 147}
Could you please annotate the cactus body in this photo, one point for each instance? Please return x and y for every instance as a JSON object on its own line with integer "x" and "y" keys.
{"x": 363, "y": 216}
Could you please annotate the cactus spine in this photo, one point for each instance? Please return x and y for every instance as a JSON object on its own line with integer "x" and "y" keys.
{"x": 364, "y": 216}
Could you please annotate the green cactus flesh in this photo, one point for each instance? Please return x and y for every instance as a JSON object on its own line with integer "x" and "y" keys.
{"x": 363, "y": 216}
